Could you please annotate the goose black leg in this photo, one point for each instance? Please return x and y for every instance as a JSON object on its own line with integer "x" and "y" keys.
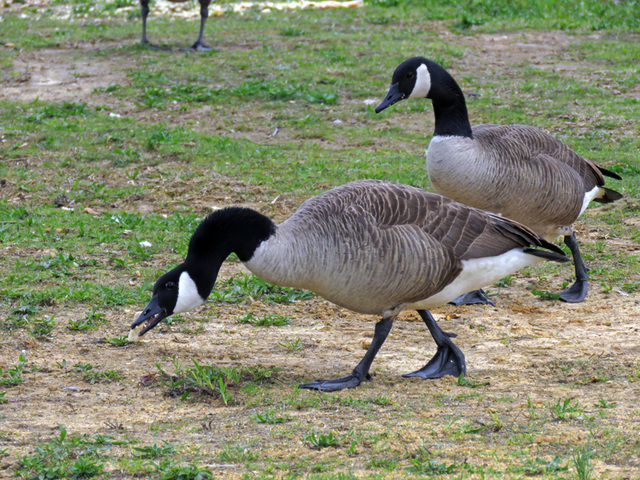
{"x": 578, "y": 291}
{"x": 144, "y": 6}
{"x": 448, "y": 360}
{"x": 361, "y": 372}
{"x": 472, "y": 298}
{"x": 204, "y": 14}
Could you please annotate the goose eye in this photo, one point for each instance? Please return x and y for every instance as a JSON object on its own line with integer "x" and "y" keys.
{"x": 410, "y": 75}
{"x": 170, "y": 285}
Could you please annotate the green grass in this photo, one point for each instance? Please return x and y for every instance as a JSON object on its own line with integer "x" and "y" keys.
{"x": 13, "y": 375}
{"x": 210, "y": 380}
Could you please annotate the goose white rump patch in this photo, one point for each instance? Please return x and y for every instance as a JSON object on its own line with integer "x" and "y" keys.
{"x": 595, "y": 192}
{"x": 188, "y": 296}
{"x": 478, "y": 273}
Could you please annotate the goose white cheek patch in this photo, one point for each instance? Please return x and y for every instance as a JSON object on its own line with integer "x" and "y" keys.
{"x": 188, "y": 296}
{"x": 423, "y": 83}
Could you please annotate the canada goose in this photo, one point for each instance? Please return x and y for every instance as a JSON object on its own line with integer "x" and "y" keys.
{"x": 204, "y": 14}
{"x": 371, "y": 246}
{"x": 517, "y": 171}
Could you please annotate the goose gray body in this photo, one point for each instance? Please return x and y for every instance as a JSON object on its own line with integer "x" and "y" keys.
{"x": 383, "y": 245}
{"x": 498, "y": 160}
{"x": 371, "y": 246}
{"x": 517, "y": 171}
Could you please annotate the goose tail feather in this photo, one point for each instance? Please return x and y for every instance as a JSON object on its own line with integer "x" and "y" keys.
{"x": 608, "y": 196}
{"x": 609, "y": 173}
{"x": 555, "y": 255}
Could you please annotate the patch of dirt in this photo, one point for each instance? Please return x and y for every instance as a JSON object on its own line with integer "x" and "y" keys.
{"x": 530, "y": 350}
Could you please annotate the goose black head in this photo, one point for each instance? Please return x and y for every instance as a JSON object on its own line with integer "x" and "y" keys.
{"x": 174, "y": 292}
{"x": 411, "y": 79}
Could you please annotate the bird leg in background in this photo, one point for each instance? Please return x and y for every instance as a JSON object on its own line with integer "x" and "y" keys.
{"x": 144, "y": 5}
{"x": 199, "y": 45}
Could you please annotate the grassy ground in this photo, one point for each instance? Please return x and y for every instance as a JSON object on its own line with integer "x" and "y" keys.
{"x": 134, "y": 145}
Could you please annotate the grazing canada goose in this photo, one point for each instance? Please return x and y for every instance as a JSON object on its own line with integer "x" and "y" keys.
{"x": 517, "y": 171}
{"x": 371, "y": 246}
{"x": 204, "y": 14}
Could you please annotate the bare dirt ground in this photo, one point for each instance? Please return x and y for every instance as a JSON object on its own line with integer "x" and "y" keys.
{"x": 526, "y": 348}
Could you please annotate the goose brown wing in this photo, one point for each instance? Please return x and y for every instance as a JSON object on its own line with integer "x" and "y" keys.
{"x": 526, "y": 142}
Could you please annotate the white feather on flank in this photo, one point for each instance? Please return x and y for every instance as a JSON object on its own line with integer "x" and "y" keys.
{"x": 423, "y": 83}
{"x": 595, "y": 192}
{"x": 188, "y": 296}
{"x": 478, "y": 273}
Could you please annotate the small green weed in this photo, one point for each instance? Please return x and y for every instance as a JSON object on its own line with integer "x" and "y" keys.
{"x": 269, "y": 416}
{"x": 168, "y": 470}
{"x": 120, "y": 341}
{"x": 268, "y": 320}
{"x": 357, "y": 402}
{"x": 545, "y": 294}
{"x": 422, "y": 463}
{"x": 64, "y": 109}
{"x": 465, "y": 381}
{"x": 581, "y": 460}
{"x": 236, "y": 454}
{"x": 155, "y": 450}
{"x": 210, "y": 380}
{"x": 62, "y": 458}
{"x": 538, "y": 466}
{"x": 564, "y": 410}
{"x": 43, "y": 327}
{"x": 91, "y": 320}
{"x": 291, "y": 345}
{"x": 320, "y": 440}
{"x": 13, "y": 376}
{"x": 94, "y": 375}
{"x": 602, "y": 403}
{"x": 504, "y": 282}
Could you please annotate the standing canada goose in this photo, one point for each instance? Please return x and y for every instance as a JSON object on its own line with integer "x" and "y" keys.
{"x": 516, "y": 171}
{"x": 371, "y": 246}
{"x": 204, "y": 14}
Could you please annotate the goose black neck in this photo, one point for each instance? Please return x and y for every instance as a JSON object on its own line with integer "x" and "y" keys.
{"x": 449, "y": 106}
{"x": 230, "y": 230}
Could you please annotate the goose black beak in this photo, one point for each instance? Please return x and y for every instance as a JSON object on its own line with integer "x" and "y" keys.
{"x": 393, "y": 96}
{"x": 152, "y": 315}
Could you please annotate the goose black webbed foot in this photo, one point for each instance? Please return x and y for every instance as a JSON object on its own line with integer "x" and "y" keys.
{"x": 575, "y": 293}
{"x": 153, "y": 46}
{"x": 448, "y": 360}
{"x": 334, "y": 384}
{"x": 361, "y": 372}
{"x": 199, "y": 47}
{"x": 472, "y": 298}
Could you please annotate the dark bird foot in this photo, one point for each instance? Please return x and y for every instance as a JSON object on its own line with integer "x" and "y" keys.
{"x": 153, "y": 46}
{"x": 448, "y": 360}
{"x": 334, "y": 384}
{"x": 472, "y": 298}
{"x": 575, "y": 293}
{"x": 199, "y": 47}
